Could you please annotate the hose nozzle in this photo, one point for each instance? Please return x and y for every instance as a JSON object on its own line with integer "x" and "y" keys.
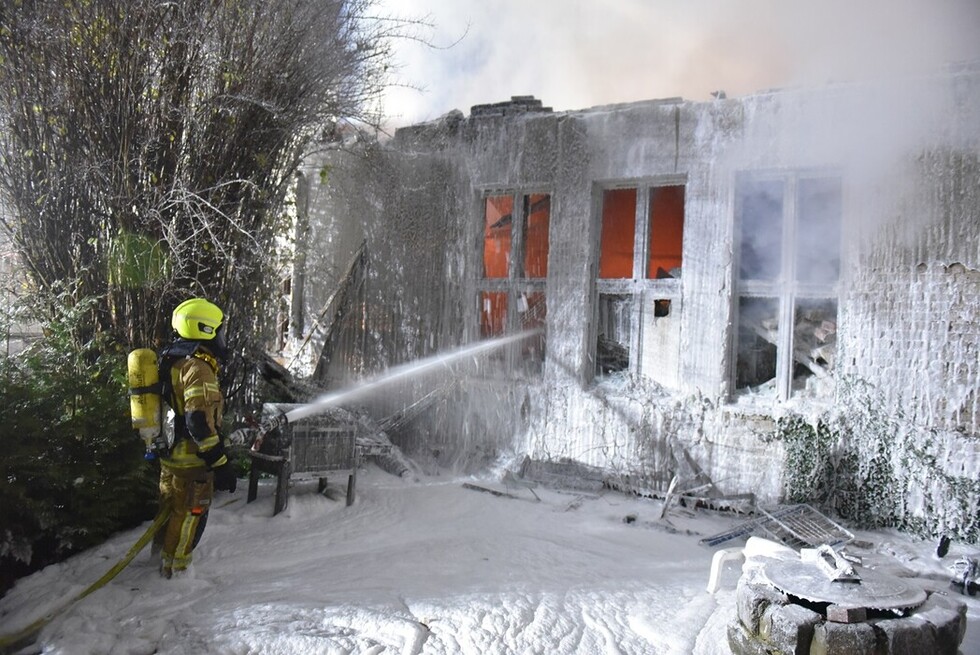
{"x": 267, "y": 426}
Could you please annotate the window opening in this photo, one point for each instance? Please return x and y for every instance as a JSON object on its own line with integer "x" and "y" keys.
{"x": 761, "y": 240}
{"x": 818, "y": 231}
{"x": 537, "y": 208}
{"x": 511, "y": 292}
{"x": 532, "y": 314}
{"x": 640, "y": 255}
{"x": 666, "y": 232}
{"x": 493, "y": 313}
{"x": 814, "y": 344}
{"x": 618, "y": 232}
{"x": 614, "y": 332}
{"x": 497, "y": 221}
{"x": 789, "y": 262}
{"x": 758, "y": 330}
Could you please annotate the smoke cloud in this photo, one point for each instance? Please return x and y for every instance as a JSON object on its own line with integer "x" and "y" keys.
{"x": 575, "y": 54}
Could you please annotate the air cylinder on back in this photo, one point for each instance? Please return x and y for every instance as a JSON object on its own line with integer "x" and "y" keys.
{"x": 144, "y": 397}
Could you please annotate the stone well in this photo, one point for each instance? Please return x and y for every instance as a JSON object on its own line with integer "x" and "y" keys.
{"x": 769, "y": 620}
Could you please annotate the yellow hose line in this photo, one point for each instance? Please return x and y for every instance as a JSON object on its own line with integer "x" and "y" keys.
{"x": 27, "y": 633}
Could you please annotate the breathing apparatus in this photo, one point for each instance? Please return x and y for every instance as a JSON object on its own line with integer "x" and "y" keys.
{"x": 195, "y": 319}
{"x": 145, "y": 407}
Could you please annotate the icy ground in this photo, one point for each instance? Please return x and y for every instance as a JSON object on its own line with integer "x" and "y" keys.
{"x": 423, "y": 566}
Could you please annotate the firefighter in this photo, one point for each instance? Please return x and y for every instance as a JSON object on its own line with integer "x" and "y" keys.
{"x": 197, "y": 464}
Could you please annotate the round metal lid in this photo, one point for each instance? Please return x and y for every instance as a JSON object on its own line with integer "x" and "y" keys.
{"x": 874, "y": 591}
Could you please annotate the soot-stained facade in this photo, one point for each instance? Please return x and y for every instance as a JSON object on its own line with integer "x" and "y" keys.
{"x": 780, "y": 291}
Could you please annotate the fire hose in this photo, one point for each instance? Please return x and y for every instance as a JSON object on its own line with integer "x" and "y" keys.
{"x": 27, "y": 634}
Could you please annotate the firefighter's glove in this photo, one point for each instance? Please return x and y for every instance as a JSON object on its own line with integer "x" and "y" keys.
{"x": 239, "y": 437}
{"x": 214, "y": 456}
{"x": 225, "y": 478}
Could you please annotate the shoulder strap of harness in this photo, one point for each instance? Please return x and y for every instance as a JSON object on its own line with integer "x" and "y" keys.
{"x": 168, "y": 357}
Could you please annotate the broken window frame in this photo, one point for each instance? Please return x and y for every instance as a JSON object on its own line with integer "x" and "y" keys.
{"x": 644, "y": 291}
{"x": 525, "y": 357}
{"x": 785, "y": 289}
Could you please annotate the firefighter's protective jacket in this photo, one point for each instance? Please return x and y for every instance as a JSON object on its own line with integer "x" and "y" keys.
{"x": 199, "y": 406}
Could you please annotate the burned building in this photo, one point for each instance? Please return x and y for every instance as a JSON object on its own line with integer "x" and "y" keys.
{"x": 779, "y": 292}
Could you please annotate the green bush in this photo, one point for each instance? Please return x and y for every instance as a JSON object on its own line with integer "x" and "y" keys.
{"x": 71, "y": 470}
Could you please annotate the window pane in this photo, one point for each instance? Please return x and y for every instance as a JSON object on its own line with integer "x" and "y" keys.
{"x": 532, "y": 312}
{"x": 659, "y": 345}
{"x": 758, "y": 333}
{"x": 493, "y": 313}
{"x": 497, "y": 220}
{"x": 760, "y": 224}
{"x": 537, "y": 209}
{"x": 618, "y": 230}
{"x": 666, "y": 231}
{"x": 814, "y": 345}
{"x": 613, "y": 333}
{"x": 818, "y": 231}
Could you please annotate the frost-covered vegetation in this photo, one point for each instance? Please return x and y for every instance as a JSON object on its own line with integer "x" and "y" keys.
{"x": 876, "y": 469}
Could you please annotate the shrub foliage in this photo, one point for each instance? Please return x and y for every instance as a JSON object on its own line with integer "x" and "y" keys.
{"x": 71, "y": 470}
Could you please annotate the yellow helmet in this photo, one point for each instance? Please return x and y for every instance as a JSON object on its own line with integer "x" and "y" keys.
{"x": 197, "y": 319}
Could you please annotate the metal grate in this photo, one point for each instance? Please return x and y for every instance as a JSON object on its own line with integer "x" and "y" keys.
{"x": 801, "y": 526}
{"x": 797, "y": 526}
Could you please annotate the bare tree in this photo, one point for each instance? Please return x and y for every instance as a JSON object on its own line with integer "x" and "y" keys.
{"x": 147, "y": 144}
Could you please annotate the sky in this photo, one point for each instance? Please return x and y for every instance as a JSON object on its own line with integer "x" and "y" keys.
{"x": 575, "y": 54}
{"x": 425, "y": 566}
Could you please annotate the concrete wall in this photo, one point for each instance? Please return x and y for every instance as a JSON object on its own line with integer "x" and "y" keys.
{"x": 908, "y": 313}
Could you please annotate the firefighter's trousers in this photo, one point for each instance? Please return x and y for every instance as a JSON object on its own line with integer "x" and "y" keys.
{"x": 188, "y": 493}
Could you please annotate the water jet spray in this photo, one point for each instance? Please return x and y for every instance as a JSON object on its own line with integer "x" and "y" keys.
{"x": 370, "y": 385}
